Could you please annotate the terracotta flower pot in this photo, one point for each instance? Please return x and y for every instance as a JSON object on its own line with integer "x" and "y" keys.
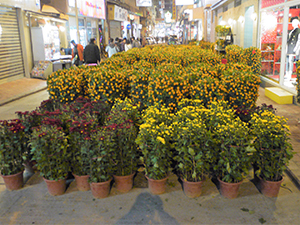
{"x": 13, "y": 182}
{"x": 124, "y": 183}
{"x": 192, "y": 189}
{"x": 157, "y": 187}
{"x": 56, "y": 187}
{"x": 82, "y": 182}
{"x": 229, "y": 190}
{"x": 270, "y": 188}
{"x": 101, "y": 190}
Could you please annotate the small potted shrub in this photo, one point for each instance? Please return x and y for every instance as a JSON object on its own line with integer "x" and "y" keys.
{"x": 233, "y": 157}
{"x": 49, "y": 147}
{"x": 12, "y": 153}
{"x": 80, "y": 144}
{"x": 125, "y": 156}
{"x": 230, "y": 152}
{"x": 191, "y": 142}
{"x": 153, "y": 140}
{"x": 273, "y": 150}
{"x": 100, "y": 155}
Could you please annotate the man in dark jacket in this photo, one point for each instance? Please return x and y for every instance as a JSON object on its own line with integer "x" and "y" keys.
{"x": 91, "y": 53}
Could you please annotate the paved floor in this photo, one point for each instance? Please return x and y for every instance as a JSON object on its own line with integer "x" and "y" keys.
{"x": 33, "y": 205}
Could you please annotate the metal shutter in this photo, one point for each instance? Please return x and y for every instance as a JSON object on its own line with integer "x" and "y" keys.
{"x": 11, "y": 60}
{"x": 115, "y": 29}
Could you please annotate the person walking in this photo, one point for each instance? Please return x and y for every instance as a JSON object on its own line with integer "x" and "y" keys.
{"x": 122, "y": 45}
{"x": 135, "y": 43}
{"x": 91, "y": 53}
{"x": 128, "y": 46}
{"x": 77, "y": 54}
{"x": 111, "y": 48}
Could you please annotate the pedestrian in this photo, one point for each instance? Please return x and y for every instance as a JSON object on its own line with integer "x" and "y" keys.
{"x": 128, "y": 46}
{"x": 118, "y": 44}
{"x": 77, "y": 54}
{"x": 91, "y": 53}
{"x": 135, "y": 43}
{"x": 111, "y": 48}
{"x": 122, "y": 45}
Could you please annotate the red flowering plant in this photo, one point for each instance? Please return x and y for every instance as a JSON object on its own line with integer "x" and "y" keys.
{"x": 12, "y": 146}
{"x": 80, "y": 142}
{"x": 100, "y": 154}
{"x": 49, "y": 146}
{"x": 121, "y": 122}
{"x": 29, "y": 120}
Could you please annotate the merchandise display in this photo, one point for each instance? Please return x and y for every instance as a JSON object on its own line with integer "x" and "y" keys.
{"x": 42, "y": 69}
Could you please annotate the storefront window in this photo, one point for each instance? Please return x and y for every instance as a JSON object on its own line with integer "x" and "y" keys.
{"x": 271, "y": 42}
{"x": 292, "y": 46}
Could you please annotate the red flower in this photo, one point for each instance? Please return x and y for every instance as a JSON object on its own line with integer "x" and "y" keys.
{"x": 253, "y": 52}
{"x": 224, "y": 61}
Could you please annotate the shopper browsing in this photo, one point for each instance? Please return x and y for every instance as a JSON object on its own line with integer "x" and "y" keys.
{"x": 91, "y": 52}
{"x": 77, "y": 54}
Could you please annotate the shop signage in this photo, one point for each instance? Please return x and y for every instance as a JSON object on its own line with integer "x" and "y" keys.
{"x": 92, "y": 8}
{"x": 184, "y": 2}
{"x": 162, "y": 4}
{"x": 128, "y": 26}
{"x": 268, "y": 3}
{"x": 120, "y": 14}
{"x": 144, "y": 3}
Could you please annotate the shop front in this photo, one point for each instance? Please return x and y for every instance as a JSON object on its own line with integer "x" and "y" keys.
{"x": 91, "y": 16}
{"x": 14, "y": 64}
{"x": 118, "y": 21}
{"x": 280, "y": 41}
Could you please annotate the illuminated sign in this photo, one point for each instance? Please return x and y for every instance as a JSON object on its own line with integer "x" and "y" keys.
{"x": 184, "y": 2}
{"x": 92, "y": 8}
{"x": 120, "y": 14}
{"x": 144, "y": 3}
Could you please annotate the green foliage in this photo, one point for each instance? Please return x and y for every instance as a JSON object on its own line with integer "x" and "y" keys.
{"x": 120, "y": 120}
{"x": 12, "y": 147}
{"x": 100, "y": 155}
{"x": 191, "y": 143}
{"x": 271, "y": 142}
{"x": 154, "y": 141}
{"x": 49, "y": 146}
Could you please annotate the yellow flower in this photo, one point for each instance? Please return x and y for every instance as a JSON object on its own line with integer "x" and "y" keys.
{"x": 161, "y": 140}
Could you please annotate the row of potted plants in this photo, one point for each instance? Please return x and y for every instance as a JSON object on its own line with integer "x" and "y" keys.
{"x": 97, "y": 141}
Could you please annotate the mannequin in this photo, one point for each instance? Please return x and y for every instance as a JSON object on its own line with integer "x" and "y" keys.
{"x": 293, "y": 47}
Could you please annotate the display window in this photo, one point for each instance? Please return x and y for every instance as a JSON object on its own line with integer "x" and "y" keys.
{"x": 292, "y": 46}
{"x": 271, "y": 42}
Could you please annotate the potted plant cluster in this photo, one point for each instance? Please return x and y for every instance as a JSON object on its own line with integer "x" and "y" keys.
{"x": 191, "y": 142}
{"x": 153, "y": 140}
{"x": 12, "y": 154}
{"x": 272, "y": 150}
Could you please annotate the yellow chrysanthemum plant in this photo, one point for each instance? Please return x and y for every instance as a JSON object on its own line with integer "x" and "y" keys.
{"x": 191, "y": 142}
{"x": 272, "y": 145}
{"x": 241, "y": 88}
{"x": 233, "y": 53}
{"x": 252, "y": 57}
{"x": 66, "y": 85}
{"x": 229, "y": 154}
{"x": 154, "y": 141}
